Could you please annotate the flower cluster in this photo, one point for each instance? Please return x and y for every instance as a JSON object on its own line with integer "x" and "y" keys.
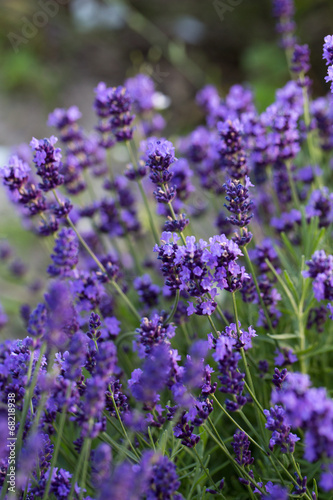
{"x": 119, "y": 389}
{"x": 113, "y": 107}
{"x": 328, "y": 56}
{"x": 321, "y": 271}
{"x": 197, "y": 269}
{"x": 281, "y": 430}
{"x": 231, "y": 379}
{"x": 283, "y": 11}
{"x": 307, "y": 408}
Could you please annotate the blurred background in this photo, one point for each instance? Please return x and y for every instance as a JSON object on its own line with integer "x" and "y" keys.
{"x": 54, "y": 52}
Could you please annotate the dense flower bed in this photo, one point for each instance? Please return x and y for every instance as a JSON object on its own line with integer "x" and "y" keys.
{"x": 183, "y": 347}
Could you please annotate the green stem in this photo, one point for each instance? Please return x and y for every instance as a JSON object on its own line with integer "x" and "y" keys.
{"x": 247, "y": 370}
{"x": 174, "y": 309}
{"x": 134, "y": 254}
{"x": 213, "y": 326}
{"x": 185, "y": 332}
{"x": 292, "y": 185}
{"x": 82, "y": 459}
{"x": 263, "y": 306}
{"x": 284, "y": 286}
{"x": 143, "y": 194}
{"x": 236, "y": 314}
{"x": 122, "y": 425}
{"x": 86, "y": 453}
{"x": 126, "y": 300}
{"x": 206, "y": 471}
{"x": 219, "y": 310}
{"x": 150, "y": 216}
{"x": 309, "y": 136}
{"x": 99, "y": 264}
{"x": 175, "y": 218}
{"x": 239, "y": 469}
{"x": 57, "y": 444}
{"x": 29, "y": 392}
{"x": 237, "y": 425}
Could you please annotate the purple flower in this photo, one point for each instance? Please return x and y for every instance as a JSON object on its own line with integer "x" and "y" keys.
{"x": 330, "y": 308}
{"x": 309, "y": 409}
{"x": 198, "y": 144}
{"x": 113, "y": 106}
{"x": 65, "y": 256}
{"x": 241, "y": 446}
{"x": 276, "y": 422}
{"x": 128, "y": 481}
{"x": 286, "y": 221}
{"x": 285, "y": 357}
{"x": 101, "y": 464}
{"x": 164, "y": 480}
{"x": 153, "y": 332}
{"x": 47, "y": 160}
{"x": 15, "y": 174}
{"x": 317, "y": 316}
{"x": 65, "y": 121}
{"x": 329, "y": 77}
{"x": 184, "y": 430}
{"x": 326, "y": 478}
{"x": 61, "y": 317}
{"x": 37, "y": 321}
{"x": 208, "y": 98}
{"x": 60, "y": 484}
{"x": 147, "y": 291}
{"x": 231, "y": 379}
{"x": 279, "y": 377}
{"x": 283, "y": 11}
{"x": 275, "y": 492}
{"x": 160, "y": 154}
{"x": 244, "y": 340}
{"x": 199, "y": 267}
{"x": 112, "y": 325}
{"x": 75, "y": 357}
{"x": 3, "y": 317}
{"x": 240, "y": 206}
{"x": 320, "y": 205}
{"x": 145, "y": 384}
{"x": 328, "y": 49}
{"x": 231, "y": 149}
{"x": 300, "y": 62}
{"x": 141, "y": 88}
{"x": 321, "y": 109}
{"x": 321, "y": 271}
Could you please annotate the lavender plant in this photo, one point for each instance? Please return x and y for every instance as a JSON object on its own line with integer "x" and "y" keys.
{"x": 177, "y": 352}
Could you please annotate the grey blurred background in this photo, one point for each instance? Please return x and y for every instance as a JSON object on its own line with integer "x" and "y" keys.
{"x": 54, "y": 52}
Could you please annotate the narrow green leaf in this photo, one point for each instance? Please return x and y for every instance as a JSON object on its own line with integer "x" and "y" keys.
{"x": 282, "y": 336}
{"x": 291, "y": 285}
{"x": 283, "y": 285}
{"x": 162, "y": 442}
{"x": 289, "y": 246}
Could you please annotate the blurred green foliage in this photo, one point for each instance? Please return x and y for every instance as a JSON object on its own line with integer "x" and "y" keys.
{"x": 187, "y": 39}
